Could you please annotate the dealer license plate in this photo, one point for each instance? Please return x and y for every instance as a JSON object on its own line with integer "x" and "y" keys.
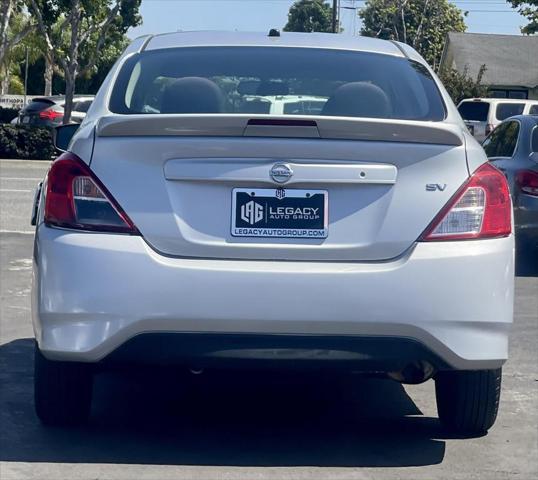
{"x": 279, "y": 213}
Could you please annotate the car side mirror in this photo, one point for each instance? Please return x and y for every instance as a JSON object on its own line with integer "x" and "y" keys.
{"x": 63, "y": 134}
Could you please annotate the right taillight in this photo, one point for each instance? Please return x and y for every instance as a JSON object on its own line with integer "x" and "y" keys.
{"x": 481, "y": 208}
{"x": 527, "y": 182}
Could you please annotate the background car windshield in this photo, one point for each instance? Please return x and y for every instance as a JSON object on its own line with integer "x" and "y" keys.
{"x": 276, "y": 81}
{"x": 475, "y": 111}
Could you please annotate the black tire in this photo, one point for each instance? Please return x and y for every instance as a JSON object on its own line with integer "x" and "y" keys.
{"x": 468, "y": 401}
{"x": 62, "y": 391}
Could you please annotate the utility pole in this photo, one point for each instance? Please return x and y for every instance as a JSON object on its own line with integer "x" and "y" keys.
{"x": 354, "y": 9}
{"x": 26, "y": 78}
{"x": 335, "y": 16}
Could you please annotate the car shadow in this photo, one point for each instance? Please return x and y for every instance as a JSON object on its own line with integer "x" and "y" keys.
{"x": 233, "y": 419}
{"x": 527, "y": 259}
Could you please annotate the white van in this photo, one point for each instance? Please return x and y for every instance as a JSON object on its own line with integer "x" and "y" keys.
{"x": 482, "y": 115}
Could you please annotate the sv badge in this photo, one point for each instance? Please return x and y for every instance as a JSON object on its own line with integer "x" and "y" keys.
{"x": 434, "y": 187}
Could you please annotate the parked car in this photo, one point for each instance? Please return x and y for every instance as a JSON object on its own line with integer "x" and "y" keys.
{"x": 513, "y": 148}
{"x": 482, "y": 115}
{"x": 177, "y": 230}
{"x": 49, "y": 111}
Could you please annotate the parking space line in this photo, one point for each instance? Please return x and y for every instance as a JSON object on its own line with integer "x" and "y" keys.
{"x": 33, "y": 179}
{"x": 24, "y": 164}
{"x": 13, "y": 190}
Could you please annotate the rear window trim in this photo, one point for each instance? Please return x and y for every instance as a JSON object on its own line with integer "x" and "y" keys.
{"x": 125, "y": 65}
{"x": 534, "y": 131}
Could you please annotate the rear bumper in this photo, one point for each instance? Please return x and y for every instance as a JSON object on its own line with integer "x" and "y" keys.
{"x": 402, "y": 358}
{"x": 37, "y": 122}
{"x": 94, "y": 292}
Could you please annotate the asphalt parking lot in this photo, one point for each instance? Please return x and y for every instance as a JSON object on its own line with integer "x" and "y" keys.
{"x": 155, "y": 424}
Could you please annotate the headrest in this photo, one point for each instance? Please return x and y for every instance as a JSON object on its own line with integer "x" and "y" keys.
{"x": 358, "y": 99}
{"x": 192, "y": 95}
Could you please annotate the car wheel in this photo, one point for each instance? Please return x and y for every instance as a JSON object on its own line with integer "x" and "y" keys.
{"x": 468, "y": 401}
{"x": 62, "y": 391}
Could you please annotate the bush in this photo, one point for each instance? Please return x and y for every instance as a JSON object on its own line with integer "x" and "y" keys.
{"x": 18, "y": 141}
{"x": 460, "y": 85}
{"x": 8, "y": 114}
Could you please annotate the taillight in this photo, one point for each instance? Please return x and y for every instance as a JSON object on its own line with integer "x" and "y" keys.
{"x": 50, "y": 114}
{"x": 527, "y": 182}
{"x": 76, "y": 198}
{"x": 481, "y": 208}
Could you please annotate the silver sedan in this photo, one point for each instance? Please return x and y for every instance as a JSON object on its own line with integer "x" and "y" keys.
{"x": 188, "y": 224}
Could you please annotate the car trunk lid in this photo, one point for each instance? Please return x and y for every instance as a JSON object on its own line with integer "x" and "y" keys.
{"x": 177, "y": 178}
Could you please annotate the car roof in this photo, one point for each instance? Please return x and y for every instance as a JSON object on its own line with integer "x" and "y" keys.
{"x": 286, "y": 39}
{"x": 524, "y": 118}
{"x": 499, "y": 100}
{"x": 61, "y": 98}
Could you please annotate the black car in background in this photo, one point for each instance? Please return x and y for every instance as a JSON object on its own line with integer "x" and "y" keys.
{"x": 49, "y": 111}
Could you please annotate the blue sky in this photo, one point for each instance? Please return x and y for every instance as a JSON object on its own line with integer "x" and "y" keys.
{"x": 494, "y": 16}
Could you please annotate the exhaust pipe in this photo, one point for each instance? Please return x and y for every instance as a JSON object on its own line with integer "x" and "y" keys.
{"x": 414, "y": 373}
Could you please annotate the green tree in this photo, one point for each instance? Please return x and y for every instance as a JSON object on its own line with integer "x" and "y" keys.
{"x": 87, "y": 84}
{"x": 529, "y": 9}
{"x": 15, "y": 60}
{"x": 309, "y": 16}
{"x": 15, "y": 25}
{"x": 114, "y": 46}
{"x": 81, "y": 34}
{"x": 423, "y": 24}
{"x": 461, "y": 85}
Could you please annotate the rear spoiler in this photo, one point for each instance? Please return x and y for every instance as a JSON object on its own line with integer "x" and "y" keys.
{"x": 334, "y": 128}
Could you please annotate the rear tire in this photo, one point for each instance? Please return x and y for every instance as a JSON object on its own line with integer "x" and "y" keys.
{"x": 62, "y": 391}
{"x": 468, "y": 401}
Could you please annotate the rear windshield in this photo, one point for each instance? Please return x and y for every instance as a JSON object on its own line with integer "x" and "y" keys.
{"x": 505, "y": 110}
{"x": 38, "y": 104}
{"x": 276, "y": 81}
{"x": 476, "y": 111}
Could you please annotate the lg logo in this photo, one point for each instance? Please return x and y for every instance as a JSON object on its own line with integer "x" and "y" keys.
{"x": 251, "y": 212}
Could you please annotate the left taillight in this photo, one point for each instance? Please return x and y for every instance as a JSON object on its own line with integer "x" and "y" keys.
{"x": 76, "y": 198}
